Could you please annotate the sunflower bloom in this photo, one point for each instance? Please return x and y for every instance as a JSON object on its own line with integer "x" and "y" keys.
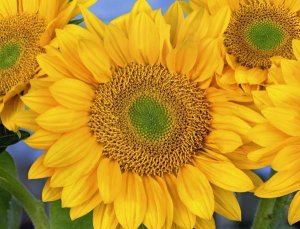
{"x": 251, "y": 35}
{"x": 26, "y": 27}
{"x": 279, "y": 136}
{"x": 129, "y": 134}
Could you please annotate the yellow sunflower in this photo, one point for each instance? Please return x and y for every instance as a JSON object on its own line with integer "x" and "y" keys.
{"x": 129, "y": 134}
{"x": 26, "y": 27}
{"x": 280, "y": 134}
{"x": 252, "y": 35}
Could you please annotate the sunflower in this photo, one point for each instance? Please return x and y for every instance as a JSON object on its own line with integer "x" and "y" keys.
{"x": 26, "y": 27}
{"x": 279, "y": 136}
{"x": 129, "y": 134}
{"x": 252, "y": 35}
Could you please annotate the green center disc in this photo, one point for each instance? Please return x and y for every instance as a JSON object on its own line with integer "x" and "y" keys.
{"x": 265, "y": 36}
{"x": 9, "y": 54}
{"x": 150, "y": 118}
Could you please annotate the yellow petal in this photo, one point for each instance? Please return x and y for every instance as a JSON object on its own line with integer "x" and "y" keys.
{"x": 144, "y": 41}
{"x": 182, "y": 215}
{"x": 287, "y": 159}
{"x": 243, "y": 112}
{"x": 50, "y": 194}
{"x": 79, "y": 192}
{"x": 224, "y": 174}
{"x": 118, "y": 45}
{"x": 258, "y": 134}
{"x": 95, "y": 59}
{"x": 10, "y": 112}
{"x": 156, "y": 205}
{"x": 182, "y": 58}
{"x": 286, "y": 120}
{"x": 284, "y": 95}
{"x": 78, "y": 95}
{"x": 109, "y": 179}
{"x": 205, "y": 224}
{"x": 86, "y": 207}
{"x": 257, "y": 181}
{"x": 8, "y": 7}
{"x": 231, "y": 123}
{"x": 168, "y": 202}
{"x": 296, "y": 49}
{"x": 280, "y": 184}
{"x": 93, "y": 23}
{"x": 70, "y": 148}
{"x": 39, "y": 100}
{"x": 60, "y": 119}
{"x": 42, "y": 139}
{"x": 220, "y": 20}
{"x": 175, "y": 17}
{"x": 131, "y": 204}
{"x": 31, "y": 7}
{"x": 26, "y": 120}
{"x": 104, "y": 217}
{"x": 294, "y": 211}
{"x": 291, "y": 71}
{"x": 223, "y": 140}
{"x": 195, "y": 191}
{"x": 38, "y": 170}
{"x": 70, "y": 174}
{"x": 67, "y": 41}
{"x": 261, "y": 99}
{"x": 226, "y": 204}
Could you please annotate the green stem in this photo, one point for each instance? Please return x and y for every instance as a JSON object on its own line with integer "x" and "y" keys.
{"x": 271, "y": 212}
{"x": 34, "y": 208}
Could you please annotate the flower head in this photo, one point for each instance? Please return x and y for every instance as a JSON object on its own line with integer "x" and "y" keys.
{"x": 26, "y": 27}
{"x": 253, "y": 35}
{"x": 132, "y": 131}
{"x": 279, "y": 136}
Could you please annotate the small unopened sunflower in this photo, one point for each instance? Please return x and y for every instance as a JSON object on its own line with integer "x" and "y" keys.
{"x": 26, "y": 27}
{"x": 280, "y": 135}
{"x": 252, "y": 35}
{"x": 129, "y": 134}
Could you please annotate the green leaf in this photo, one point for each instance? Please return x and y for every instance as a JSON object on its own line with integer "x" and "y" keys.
{"x": 142, "y": 227}
{"x": 8, "y": 137}
{"x": 60, "y": 218}
{"x": 10, "y": 185}
{"x": 77, "y": 21}
{"x": 8, "y": 206}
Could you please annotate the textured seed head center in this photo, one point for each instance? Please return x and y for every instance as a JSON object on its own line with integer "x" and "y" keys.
{"x": 150, "y": 120}
{"x": 19, "y": 45}
{"x": 258, "y": 32}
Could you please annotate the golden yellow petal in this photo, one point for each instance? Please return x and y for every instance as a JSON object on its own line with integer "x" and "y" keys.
{"x": 280, "y": 184}
{"x": 90, "y": 53}
{"x": 93, "y": 23}
{"x": 226, "y": 204}
{"x": 104, "y": 217}
{"x": 38, "y": 170}
{"x": 79, "y": 192}
{"x": 182, "y": 215}
{"x": 51, "y": 194}
{"x": 195, "y": 191}
{"x": 156, "y": 208}
{"x": 287, "y": 159}
{"x": 78, "y": 95}
{"x": 109, "y": 179}
{"x": 294, "y": 211}
{"x": 117, "y": 43}
{"x": 144, "y": 49}
{"x": 60, "y": 119}
{"x": 42, "y": 139}
{"x": 86, "y": 207}
{"x": 224, "y": 174}
{"x": 10, "y": 112}
{"x": 205, "y": 224}
{"x": 70, "y": 148}
{"x": 131, "y": 204}
{"x": 285, "y": 119}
